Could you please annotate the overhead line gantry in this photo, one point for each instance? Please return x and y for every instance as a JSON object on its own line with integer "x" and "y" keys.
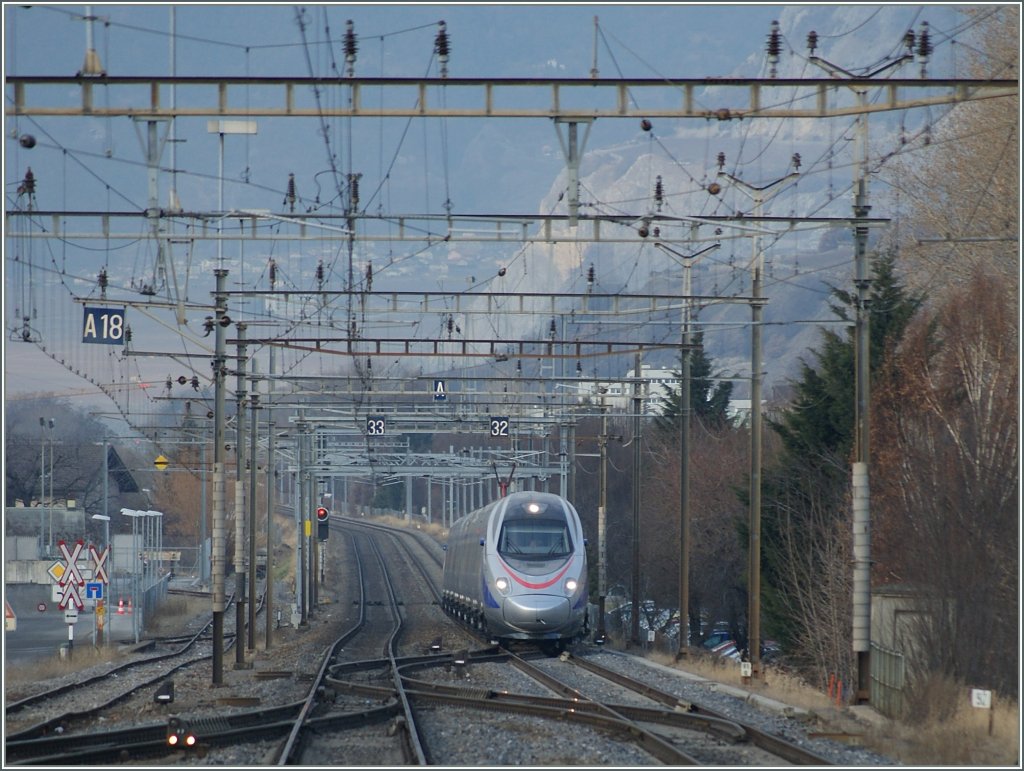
{"x": 579, "y": 99}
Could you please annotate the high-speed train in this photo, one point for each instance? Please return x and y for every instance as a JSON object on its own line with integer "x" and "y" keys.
{"x": 516, "y": 569}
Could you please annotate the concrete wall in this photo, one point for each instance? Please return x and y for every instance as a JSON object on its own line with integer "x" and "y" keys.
{"x": 21, "y": 547}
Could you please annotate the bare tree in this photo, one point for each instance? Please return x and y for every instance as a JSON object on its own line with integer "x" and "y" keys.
{"x": 815, "y": 553}
{"x": 958, "y": 178}
{"x": 947, "y": 502}
{"x": 718, "y": 464}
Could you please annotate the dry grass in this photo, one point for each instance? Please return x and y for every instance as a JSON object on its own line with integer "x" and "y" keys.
{"x": 946, "y": 731}
{"x": 175, "y": 610}
{"x": 775, "y": 684}
{"x": 83, "y": 657}
{"x": 431, "y": 528}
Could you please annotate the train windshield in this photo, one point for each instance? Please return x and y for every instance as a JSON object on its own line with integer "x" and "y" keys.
{"x": 534, "y": 539}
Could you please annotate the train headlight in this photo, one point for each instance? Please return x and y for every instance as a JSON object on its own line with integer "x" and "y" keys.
{"x": 570, "y": 585}
{"x": 502, "y": 584}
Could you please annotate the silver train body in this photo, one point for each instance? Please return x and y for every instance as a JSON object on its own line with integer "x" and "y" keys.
{"x": 516, "y": 569}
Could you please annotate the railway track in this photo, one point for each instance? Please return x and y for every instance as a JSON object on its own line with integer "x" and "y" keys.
{"x": 382, "y": 691}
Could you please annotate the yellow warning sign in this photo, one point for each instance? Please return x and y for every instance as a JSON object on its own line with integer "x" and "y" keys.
{"x": 56, "y": 570}
{"x": 161, "y": 462}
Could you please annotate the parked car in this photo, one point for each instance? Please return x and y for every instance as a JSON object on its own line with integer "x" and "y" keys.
{"x": 661, "y": 620}
{"x": 717, "y": 638}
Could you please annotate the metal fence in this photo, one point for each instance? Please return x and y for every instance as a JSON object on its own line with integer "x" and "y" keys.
{"x": 888, "y": 672}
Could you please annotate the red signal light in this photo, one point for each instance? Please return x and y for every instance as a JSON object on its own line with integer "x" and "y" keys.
{"x": 322, "y": 514}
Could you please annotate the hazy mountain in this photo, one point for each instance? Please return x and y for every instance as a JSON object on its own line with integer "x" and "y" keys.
{"x": 494, "y": 167}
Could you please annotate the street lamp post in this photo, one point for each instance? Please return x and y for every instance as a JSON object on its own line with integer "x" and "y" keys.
{"x": 43, "y": 423}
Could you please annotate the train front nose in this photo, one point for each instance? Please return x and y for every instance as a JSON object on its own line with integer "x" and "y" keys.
{"x": 536, "y": 612}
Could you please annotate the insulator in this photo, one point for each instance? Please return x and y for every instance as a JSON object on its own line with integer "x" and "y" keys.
{"x": 579, "y": 369}
{"x": 28, "y": 185}
{"x": 353, "y": 189}
{"x": 812, "y": 41}
{"x": 796, "y": 161}
{"x": 103, "y": 280}
{"x": 590, "y": 275}
{"x": 721, "y": 161}
{"x": 551, "y": 329}
{"x": 924, "y": 42}
{"x": 273, "y": 273}
{"x": 441, "y": 48}
{"x": 369, "y": 276}
{"x": 369, "y": 363}
{"x": 774, "y": 46}
{"x": 168, "y": 383}
{"x": 659, "y": 192}
{"x": 289, "y": 197}
{"x": 451, "y": 324}
{"x": 909, "y": 40}
{"x": 351, "y": 46}
{"x": 195, "y": 382}
{"x": 127, "y": 334}
{"x": 320, "y": 273}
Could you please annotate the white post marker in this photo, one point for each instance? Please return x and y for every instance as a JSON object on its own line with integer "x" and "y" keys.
{"x": 982, "y": 699}
{"x": 10, "y": 620}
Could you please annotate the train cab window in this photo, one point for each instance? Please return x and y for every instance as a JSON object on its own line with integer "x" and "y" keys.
{"x": 534, "y": 539}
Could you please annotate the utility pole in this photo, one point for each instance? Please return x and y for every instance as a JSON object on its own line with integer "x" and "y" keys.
{"x": 219, "y": 542}
{"x": 254, "y": 405}
{"x": 860, "y": 479}
{"x": 637, "y": 407}
{"x": 756, "y": 307}
{"x": 684, "y": 447}
{"x": 269, "y": 591}
{"x": 602, "y": 522}
{"x": 240, "y": 511}
{"x": 311, "y": 550}
{"x": 300, "y": 519}
{"x": 862, "y": 376}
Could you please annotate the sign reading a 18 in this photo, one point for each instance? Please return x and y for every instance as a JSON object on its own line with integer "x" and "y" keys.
{"x": 103, "y": 325}
{"x": 499, "y": 426}
{"x": 375, "y": 425}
